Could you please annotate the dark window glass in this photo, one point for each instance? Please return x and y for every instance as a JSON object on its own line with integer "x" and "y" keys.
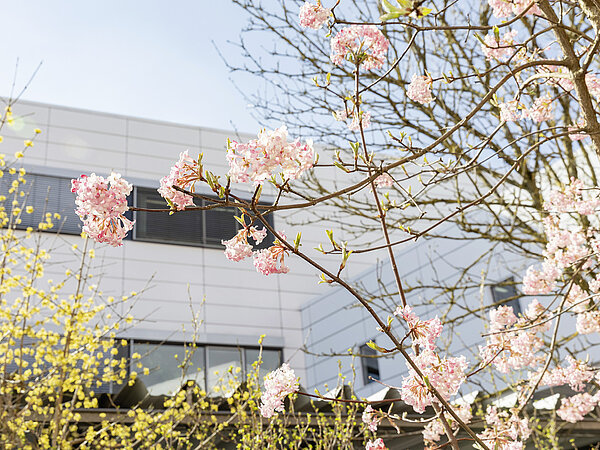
{"x": 46, "y": 194}
{"x": 271, "y": 360}
{"x": 178, "y": 228}
{"x": 505, "y": 293}
{"x": 224, "y": 370}
{"x": 122, "y": 346}
{"x": 370, "y": 364}
{"x": 169, "y": 366}
{"x": 220, "y": 224}
{"x": 206, "y": 228}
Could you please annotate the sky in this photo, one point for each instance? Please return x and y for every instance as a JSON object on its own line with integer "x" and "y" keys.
{"x": 143, "y": 58}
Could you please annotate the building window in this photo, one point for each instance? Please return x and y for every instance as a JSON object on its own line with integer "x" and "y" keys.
{"x": 46, "y": 194}
{"x": 205, "y": 228}
{"x": 170, "y": 365}
{"x": 505, "y": 293}
{"x": 370, "y": 364}
{"x": 196, "y": 228}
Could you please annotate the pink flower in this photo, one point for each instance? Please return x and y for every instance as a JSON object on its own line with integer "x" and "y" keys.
{"x": 384, "y": 180}
{"x": 184, "y": 175}
{"x": 501, "y": 8}
{"x": 540, "y": 282}
{"x": 520, "y": 5}
{"x": 424, "y": 332}
{"x": 588, "y": 322}
{"x": 501, "y": 317}
{"x": 536, "y": 313}
{"x": 575, "y": 134}
{"x": 541, "y": 110}
{"x": 278, "y": 384}
{"x": 343, "y": 115}
{"x": 593, "y": 84}
{"x": 313, "y": 16}
{"x": 101, "y": 205}
{"x": 363, "y": 44}
{"x": 508, "y": 347}
{"x": 576, "y": 375}
{"x": 571, "y": 199}
{"x": 433, "y": 431}
{"x": 444, "y": 374}
{"x": 505, "y": 431}
{"x": 504, "y": 8}
{"x": 419, "y": 89}
{"x": 270, "y": 154}
{"x": 564, "y": 78}
{"x": 501, "y": 49}
{"x": 370, "y": 418}
{"x": 564, "y": 247}
{"x": 377, "y": 444}
{"x": 509, "y": 111}
{"x": 238, "y": 248}
{"x": 573, "y": 409}
{"x": 271, "y": 260}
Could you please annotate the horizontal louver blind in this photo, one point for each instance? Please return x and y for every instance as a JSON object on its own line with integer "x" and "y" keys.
{"x": 46, "y": 194}
{"x": 206, "y": 228}
{"x": 179, "y": 228}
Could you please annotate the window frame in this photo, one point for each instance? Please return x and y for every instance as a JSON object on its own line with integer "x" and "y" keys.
{"x": 366, "y": 362}
{"x": 205, "y": 243}
{"x": 131, "y": 342}
{"x": 515, "y": 296}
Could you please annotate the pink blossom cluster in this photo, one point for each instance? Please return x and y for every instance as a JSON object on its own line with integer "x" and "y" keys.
{"x": 593, "y": 84}
{"x": 564, "y": 248}
{"x": 576, "y": 299}
{"x": 101, "y": 205}
{"x": 540, "y": 110}
{"x": 588, "y": 322}
{"x": 567, "y": 246}
{"x": 423, "y": 332}
{"x": 271, "y": 260}
{"x": 384, "y": 181}
{"x": 565, "y": 80}
{"x": 509, "y": 111}
{"x": 419, "y": 89}
{"x": 505, "y": 8}
{"x": 500, "y": 49}
{"x": 540, "y": 281}
{"x": 184, "y": 175}
{"x": 278, "y": 384}
{"x": 342, "y": 116}
{"x": 444, "y": 374}
{"x": 573, "y": 409}
{"x": 238, "y": 248}
{"x": 313, "y": 16}
{"x": 266, "y": 261}
{"x": 377, "y": 444}
{"x": 504, "y": 431}
{"x": 576, "y": 135}
{"x": 260, "y": 159}
{"x": 434, "y": 430}
{"x": 576, "y": 375}
{"x": 570, "y": 199}
{"x": 362, "y": 44}
{"x": 370, "y": 418}
{"x": 513, "y": 343}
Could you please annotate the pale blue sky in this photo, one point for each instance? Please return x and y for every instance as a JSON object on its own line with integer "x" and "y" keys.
{"x": 145, "y": 58}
